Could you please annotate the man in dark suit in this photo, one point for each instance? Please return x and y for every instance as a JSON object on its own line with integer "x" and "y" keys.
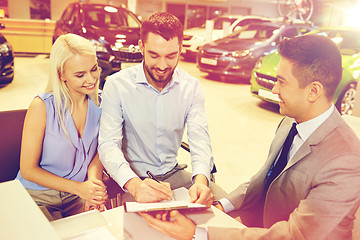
{"x": 309, "y": 187}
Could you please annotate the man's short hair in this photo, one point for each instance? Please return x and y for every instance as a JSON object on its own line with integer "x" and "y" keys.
{"x": 315, "y": 58}
{"x": 165, "y": 24}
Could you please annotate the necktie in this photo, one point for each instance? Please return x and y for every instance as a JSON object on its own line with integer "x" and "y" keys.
{"x": 276, "y": 169}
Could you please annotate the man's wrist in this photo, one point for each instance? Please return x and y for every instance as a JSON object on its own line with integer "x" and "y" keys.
{"x": 132, "y": 185}
{"x": 202, "y": 179}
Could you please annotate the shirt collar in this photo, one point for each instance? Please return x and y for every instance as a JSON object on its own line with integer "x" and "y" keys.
{"x": 305, "y": 129}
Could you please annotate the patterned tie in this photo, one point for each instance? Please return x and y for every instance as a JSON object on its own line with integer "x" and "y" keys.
{"x": 276, "y": 169}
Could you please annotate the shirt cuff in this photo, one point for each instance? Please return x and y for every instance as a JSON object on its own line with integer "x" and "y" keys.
{"x": 200, "y": 233}
{"x": 207, "y": 177}
{"x": 227, "y": 205}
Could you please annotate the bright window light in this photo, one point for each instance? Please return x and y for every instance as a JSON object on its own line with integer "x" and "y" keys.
{"x": 110, "y": 9}
{"x": 353, "y": 19}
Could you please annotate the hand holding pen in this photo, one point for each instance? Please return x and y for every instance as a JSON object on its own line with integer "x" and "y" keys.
{"x": 148, "y": 190}
{"x": 152, "y": 176}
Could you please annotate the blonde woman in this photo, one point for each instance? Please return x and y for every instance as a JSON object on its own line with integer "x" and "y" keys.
{"x": 59, "y": 163}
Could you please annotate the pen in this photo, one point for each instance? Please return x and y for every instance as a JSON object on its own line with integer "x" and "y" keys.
{"x": 152, "y": 176}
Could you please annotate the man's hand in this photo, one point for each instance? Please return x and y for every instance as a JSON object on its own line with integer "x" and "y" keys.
{"x": 200, "y": 192}
{"x": 148, "y": 190}
{"x": 181, "y": 227}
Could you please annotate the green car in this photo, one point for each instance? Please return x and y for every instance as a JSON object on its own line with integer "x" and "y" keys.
{"x": 263, "y": 77}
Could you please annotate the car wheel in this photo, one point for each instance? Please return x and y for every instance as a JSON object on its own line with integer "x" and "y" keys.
{"x": 345, "y": 102}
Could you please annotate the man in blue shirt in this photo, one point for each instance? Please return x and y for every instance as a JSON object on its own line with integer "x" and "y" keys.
{"x": 145, "y": 109}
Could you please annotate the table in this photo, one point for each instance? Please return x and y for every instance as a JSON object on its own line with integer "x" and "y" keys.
{"x": 21, "y": 219}
{"x": 117, "y": 224}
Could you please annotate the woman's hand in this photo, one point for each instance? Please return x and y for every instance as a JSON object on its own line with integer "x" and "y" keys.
{"x": 93, "y": 191}
{"x": 89, "y": 206}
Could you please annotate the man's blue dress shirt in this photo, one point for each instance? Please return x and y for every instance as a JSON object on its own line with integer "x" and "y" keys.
{"x": 141, "y": 128}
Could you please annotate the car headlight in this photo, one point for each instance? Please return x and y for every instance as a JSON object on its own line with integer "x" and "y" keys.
{"x": 199, "y": 38}
{"x": 240, "y": 54}
{"x": 99, "y": 47}
{"x": 258, "y": 63}
{"x": 5, "y": 48}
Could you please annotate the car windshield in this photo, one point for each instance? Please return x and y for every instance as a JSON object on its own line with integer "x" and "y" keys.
{"x": 109, "y": 17}
{"x": 219, "y": 21}
{"x": 347, "y": 41}
{"x": 255, "y": 32}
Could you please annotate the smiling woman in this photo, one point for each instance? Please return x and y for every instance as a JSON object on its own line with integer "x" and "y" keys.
{"x": 59, "y": 164}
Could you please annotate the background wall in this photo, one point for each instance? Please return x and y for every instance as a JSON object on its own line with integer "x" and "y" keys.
{"x": 327, "y": 12}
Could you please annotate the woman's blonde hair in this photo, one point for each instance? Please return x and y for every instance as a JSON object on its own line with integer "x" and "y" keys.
{"x": 64, "y": 48}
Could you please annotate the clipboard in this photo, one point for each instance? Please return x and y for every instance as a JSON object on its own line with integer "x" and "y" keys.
{"x": 162, "y": 206}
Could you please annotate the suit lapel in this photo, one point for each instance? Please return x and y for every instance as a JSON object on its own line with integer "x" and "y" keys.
{"x": 257, "y": 182}
{"x": 317, "y": 136}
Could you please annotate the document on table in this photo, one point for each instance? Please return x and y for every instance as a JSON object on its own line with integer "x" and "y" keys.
{"x": 163, "y": 205}
{"x": 206, "y": 218}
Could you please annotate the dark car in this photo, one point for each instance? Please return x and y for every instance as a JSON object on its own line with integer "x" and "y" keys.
{"x": 236, "y": 54}
{"x": 114, "y": 31}
{"x": 6, "y": 60}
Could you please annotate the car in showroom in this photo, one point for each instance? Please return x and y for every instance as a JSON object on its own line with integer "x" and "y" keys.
{"x": 235, "y": 55}
{"x": 114, "y": 31}
{"x": 6, "y": 60}
{"x": 196, "y": 37}
{"x": 264, "y": 77}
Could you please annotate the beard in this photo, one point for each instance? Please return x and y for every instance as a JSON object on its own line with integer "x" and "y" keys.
{"x": 159, "y": 79}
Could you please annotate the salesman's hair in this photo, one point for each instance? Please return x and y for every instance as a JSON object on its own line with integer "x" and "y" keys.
{"x": 315, "y": 58}
{"x": 165, "y": 24}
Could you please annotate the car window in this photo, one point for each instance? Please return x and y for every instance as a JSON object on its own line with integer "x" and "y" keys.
{"x": 67, "y": 13}
{"x": 218, "y": 22}
{"x": 109, "y": 17}
{"x": 75, "y": 17}
{"x": 256, "y": 32}
{"x": 249, "y": 21}
{"x": 132, "y": 21}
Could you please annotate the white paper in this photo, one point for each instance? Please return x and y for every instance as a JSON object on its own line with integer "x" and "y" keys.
{"x": 94, "y": 234}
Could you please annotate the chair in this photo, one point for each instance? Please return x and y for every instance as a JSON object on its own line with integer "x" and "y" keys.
{"x": 11, "y": 125}
{"x": 185, "y": 146}
{"x": 354, "y": 123}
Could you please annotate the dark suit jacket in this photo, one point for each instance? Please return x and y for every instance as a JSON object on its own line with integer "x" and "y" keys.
{"x": 316, "y": 195}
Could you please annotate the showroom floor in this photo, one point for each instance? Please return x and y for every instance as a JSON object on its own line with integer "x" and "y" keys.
{"x": 241, "y": 126}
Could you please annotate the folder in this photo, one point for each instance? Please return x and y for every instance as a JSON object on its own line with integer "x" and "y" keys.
{"x": 159, "y": 206}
